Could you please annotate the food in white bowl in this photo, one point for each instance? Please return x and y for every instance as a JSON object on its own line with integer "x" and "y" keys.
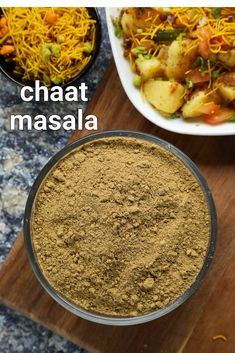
{"x": 182, "y": 70}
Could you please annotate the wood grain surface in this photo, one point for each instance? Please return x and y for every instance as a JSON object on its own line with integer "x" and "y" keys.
{"x": 211, "y": 310}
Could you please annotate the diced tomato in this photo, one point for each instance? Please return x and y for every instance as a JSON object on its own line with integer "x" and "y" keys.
{"x": 209, "y": 108}
{"x": 181, "y": 22}
{"x": 217, "y": 40}
{"x": 148, "y": 44}
{"x": 204, "y": 48}
{"x": 196, "y": 77}
{"x": 221, "y": 116}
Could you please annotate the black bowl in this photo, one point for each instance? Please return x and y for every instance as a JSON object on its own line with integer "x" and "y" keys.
{"x": 7, "y": 67}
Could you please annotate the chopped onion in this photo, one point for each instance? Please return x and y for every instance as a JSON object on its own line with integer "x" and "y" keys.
{"x": 202, "y": 22}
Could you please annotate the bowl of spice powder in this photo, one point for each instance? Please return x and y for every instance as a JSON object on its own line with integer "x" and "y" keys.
{"x": 120, "y": 227}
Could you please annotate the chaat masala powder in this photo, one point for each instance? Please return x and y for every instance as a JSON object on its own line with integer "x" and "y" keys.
{"x": 120, "y": 227}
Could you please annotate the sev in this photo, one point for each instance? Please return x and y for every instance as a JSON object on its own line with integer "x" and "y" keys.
{"x": 71, "y": 32}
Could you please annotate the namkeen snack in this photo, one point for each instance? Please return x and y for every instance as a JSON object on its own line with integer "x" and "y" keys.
{"x": 52, "y": 45}
{"x": 120, "y": 227}
{"x": 183, "y": 59}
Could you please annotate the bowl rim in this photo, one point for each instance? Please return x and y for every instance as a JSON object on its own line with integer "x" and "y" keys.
{"x": 95, "y": 14}
{"x": 98, "y": 318}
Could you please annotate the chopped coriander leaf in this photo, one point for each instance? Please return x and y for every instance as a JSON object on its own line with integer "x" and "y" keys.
{"x": 198, "y": 62}
{"x": 215, "y": 73}
{"x": 202, "y": 63}
{"x": 216, "y": 12}
{"x": 202, "y": 71}
{"x": 175, "y": 116}
{"x": 212, "y": 59}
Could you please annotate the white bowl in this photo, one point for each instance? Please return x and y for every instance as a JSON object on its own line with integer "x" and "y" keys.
{"x": 176, "y": 125}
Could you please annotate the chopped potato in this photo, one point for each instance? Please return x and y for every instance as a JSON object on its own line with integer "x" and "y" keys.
{"x": 163, "y": 54}
{"x": 179, "y": 60}
{"x": 190, "y": 109}
{"x": 228, "y": 58}
{"x": 135, "y": 18}
{"x": 127, "y": 23}
{"x": 227, "y": 92}
{"x": 164, "y": 95}
{"x": 226, "y": 86}
{"x": 149, "y": 68}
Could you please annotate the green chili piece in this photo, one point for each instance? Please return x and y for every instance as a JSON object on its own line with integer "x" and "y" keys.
{"x": 168, "y": 36}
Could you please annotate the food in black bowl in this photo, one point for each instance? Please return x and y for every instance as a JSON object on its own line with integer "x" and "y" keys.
{"x": 53, "y": 45}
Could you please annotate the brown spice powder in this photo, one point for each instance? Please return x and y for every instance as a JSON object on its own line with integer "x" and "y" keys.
{"x": 120, "y": 227}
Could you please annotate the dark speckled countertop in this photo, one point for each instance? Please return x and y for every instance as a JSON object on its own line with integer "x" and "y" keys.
{"x": 22, "y": 155}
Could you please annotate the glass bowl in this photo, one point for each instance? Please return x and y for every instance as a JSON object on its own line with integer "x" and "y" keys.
{"x": 102, "y": 319}
{"x": 7, "y": 67}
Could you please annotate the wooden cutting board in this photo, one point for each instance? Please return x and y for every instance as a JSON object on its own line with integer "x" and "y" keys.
{"x": 190, "y": 328}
